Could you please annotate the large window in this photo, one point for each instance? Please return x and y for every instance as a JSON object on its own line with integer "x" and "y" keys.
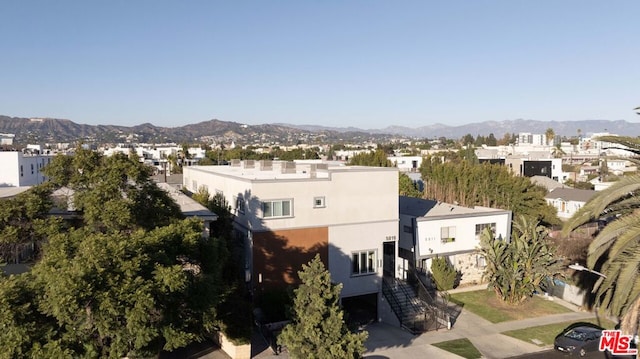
{"x": 448, "y": 234}
{"x": 363, "y": 262}
{"x": 480, "y": 228}
{"x": 279, "y": 208}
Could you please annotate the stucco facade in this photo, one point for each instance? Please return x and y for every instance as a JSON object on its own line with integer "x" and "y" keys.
{"x": 289, "y": 212}
{"x": 19, "y": 169}
{"x": 430, "y": 229}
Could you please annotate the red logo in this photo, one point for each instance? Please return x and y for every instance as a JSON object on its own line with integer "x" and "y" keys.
{"x": 616, "y": 343}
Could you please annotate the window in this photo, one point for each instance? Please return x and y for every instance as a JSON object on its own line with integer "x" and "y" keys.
{"x": 280, "y": 208}
{"x": 240, "y": 204}
{"x": 481, "y": 262}
{"x": 318, "y": 202}
{"x": 448, "y": 234}
{"x": 21, "y": 171}
{"x": 32, "y": 168}
{"x": 480, "y": 228}
{"x": 363, "y": 262}
{"x": 407, "y": 229}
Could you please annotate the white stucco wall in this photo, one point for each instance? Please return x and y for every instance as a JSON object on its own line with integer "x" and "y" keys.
{"x": 428, "y": 241}
{"x": 567, "y": 210}
{"x": 347, "y": 239}
{"x": 11, "y": 174}
{"x": 361, "y": 211}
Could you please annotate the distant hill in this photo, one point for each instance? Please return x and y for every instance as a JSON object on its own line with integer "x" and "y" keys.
{"x": 499, "y": 128}
{"x": 49, "y": 130}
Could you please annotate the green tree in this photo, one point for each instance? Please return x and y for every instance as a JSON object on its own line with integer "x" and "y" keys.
{"x": 318, "y": 329}
{"x": 122, "y": 283}
{"x": 444, "y": 274}
{"x": 112, "y": 193}
{"x": 407, "y": 186}
{"x": 516, "y": 269}
{"x": 488, "y": 185}
{"x": 615, "y": 251}
{"x": 24, "y": 223}
{"x": 378, "y": 158}
{"x": 550, "y": 135}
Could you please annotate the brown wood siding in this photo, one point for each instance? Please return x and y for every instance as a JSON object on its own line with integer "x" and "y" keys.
{"x": 279, "y": 255}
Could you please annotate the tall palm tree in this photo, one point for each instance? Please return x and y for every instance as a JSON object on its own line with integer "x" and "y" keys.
{"x": 615, "y": 252}
{"x": 550, "y": 135}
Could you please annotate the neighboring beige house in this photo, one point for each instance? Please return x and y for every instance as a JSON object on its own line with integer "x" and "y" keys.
{"x": 287, "y": 212}
{"x": 568, "y": 201}
{"x": 434, "y": 229}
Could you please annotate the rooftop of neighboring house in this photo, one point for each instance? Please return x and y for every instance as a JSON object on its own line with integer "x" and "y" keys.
{"x": 571, "y": 194}
{"x": 546, "y": 182}
{"x": 9, "y": 192}
{"x": 431, "y": 209}
{"x": 188, "y": 206}
{"x": 283, "y": 170}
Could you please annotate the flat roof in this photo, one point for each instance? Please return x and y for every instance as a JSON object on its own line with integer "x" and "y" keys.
{"x": 281, "y": 170}
{"x": 188, "y": 206}
{"x": 8, "y": 192}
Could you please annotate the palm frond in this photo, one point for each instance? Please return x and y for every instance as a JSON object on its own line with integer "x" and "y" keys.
{"x": 620, "y": 233}
{"x": 596, "y": 207}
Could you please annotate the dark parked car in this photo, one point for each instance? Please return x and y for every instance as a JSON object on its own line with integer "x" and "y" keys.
{"x": 579, "y": 339}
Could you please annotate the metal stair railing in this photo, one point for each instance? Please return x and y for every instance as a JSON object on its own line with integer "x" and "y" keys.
{"x": 437, "y": 305}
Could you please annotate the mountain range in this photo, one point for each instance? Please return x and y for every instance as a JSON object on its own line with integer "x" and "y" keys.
{"x": 49, "y": 130}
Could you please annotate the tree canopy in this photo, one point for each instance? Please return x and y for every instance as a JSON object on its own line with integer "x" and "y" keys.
{"x": 488, "y": 185}
{"x": 378, "y": 158}
{"x": 130, "y": 279}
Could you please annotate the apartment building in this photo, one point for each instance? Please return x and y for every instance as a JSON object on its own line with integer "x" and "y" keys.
{"x": 287, "y": 212}
{"x": 437, "y": 229}
{"x": 22, "y": 168}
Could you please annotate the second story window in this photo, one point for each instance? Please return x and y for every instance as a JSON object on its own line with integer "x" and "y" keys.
{"x": 480, "y": 229}
{"x": 278, "y": 208}
{"x": 448, "y": 234}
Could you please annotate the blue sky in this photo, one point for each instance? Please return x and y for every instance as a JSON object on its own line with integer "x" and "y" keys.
{"x": 368, "y": 63}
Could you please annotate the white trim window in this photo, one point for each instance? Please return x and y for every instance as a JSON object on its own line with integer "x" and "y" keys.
{"x": 277, "y": 208}
{"x": 363, "y": 262}
{"x": 318, "y": 202}
{"x": 480, "y": 228}
{"x": 448, "y": 234}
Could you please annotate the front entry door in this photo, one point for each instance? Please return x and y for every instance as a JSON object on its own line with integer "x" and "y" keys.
{"x": 389, "y": 259}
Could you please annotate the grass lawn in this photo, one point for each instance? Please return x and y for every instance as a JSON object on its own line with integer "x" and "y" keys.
{"x": 486, "y": 304}
{"x": 462, "y": 347}
{"x": 545, "y": 334}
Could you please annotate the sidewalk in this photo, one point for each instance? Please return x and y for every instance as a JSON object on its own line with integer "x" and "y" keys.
{"x": 386, "y": 341}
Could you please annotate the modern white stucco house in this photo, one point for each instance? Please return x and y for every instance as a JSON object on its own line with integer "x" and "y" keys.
{"x": 22, "y": 169}
{"x": 431, "y": 229}
{"x": 288, "y": 212}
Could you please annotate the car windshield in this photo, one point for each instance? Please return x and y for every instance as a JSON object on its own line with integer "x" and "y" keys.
{"x": 577, "y": 335}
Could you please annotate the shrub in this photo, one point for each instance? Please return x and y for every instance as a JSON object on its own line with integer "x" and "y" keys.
{"x": 443, "y": 273}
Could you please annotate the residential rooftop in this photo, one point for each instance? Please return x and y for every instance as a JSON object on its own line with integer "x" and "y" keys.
{"x": 283, "y": 170}
{"x": 188, "y": 206}
{"x": 431, "y": 209}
